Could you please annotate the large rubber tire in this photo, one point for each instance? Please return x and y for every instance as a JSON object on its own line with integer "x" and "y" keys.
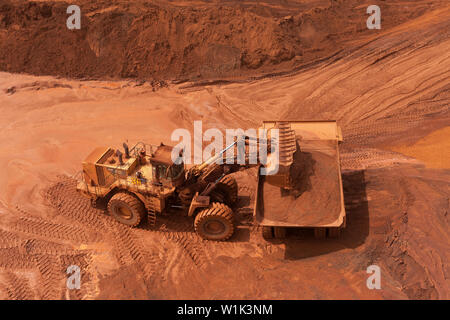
{"x": 225, "y": 191}
{"x": 334, "y": 233}
{"x": 215, "y": 222}
{"x": 320, "y": 233}
{"x": 126, "y": 209}
{"x": 267, "y": 233}
{"x": 279, "y": 232}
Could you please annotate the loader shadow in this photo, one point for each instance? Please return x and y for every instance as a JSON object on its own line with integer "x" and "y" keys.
{"x": 176, "y": 222}
{"x": 300, "y": 243}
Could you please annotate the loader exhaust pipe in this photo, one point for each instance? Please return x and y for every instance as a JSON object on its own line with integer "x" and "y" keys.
{"x": 127, "y": 150}
{"x": 119, "y": 155}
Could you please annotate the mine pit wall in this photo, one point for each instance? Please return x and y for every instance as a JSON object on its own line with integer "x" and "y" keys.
{"x": 153, "y": 40}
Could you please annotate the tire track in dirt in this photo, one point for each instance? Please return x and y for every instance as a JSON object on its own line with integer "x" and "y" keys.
{"x": 52, "y": 259}
{"x": 38, "y": 246}
{"x": 14, "y": 258}
{"x": 147, "y": 260}
{"x": 43, "y": 228}
{"x": 363, "y": 158}
{"x": 194, "y": 247}
{"x": 17, "y": 288}
{"x": 127, "y": 246}
{"x": 64, "y": 198}
{"x": 129, "y": 249}
{"x": 9, "y": 239}
{"x": 51, "y": 278}
{"x": 179, "y": 231}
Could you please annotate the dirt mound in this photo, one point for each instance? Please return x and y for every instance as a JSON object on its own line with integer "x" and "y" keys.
{"x": 152, "y": 39}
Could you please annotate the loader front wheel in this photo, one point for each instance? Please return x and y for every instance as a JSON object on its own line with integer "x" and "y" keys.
{"x": 126, "y": 209}
{"x": 215, "y": 222}
{"x": 226, "y": 191}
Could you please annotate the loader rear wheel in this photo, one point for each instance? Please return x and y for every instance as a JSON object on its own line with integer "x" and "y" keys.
{"x": 126, "y": 209}
{"x": 226, "y": 191}
{"x": 215, "y": 222}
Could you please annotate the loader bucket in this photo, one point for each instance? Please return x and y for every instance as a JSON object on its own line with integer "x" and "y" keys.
{"x": 286, "y": 146}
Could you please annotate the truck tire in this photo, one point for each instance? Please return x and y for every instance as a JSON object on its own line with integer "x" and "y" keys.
{"x": 215, "y": 222}
{"x": 126, "y": 209}
{"x": 334, "y": 233}
{"x": 226, "y": 191}
{"x": 279, "y": 232}
{"x": 267, "y": 233}
{"x": 320, "y": 233}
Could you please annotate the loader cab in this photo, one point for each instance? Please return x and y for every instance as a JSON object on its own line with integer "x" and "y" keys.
{"x": 166, "y": 172}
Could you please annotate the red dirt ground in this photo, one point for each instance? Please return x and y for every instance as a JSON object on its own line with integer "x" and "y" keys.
{"x": 388, "y": 89}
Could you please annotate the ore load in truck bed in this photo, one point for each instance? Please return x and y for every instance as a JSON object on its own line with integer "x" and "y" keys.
{"x": 315, "y": 199}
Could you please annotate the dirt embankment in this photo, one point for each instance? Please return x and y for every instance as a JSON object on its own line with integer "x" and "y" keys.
{"x": 156, "y": 39}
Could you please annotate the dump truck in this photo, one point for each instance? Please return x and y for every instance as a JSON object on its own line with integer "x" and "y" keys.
{"x": 144, "y": 181}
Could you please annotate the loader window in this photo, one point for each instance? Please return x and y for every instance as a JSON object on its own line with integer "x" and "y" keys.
{"x": 161, "y": 172}
{"x": 176, "y": 170}
{"x": 168, "y": 173}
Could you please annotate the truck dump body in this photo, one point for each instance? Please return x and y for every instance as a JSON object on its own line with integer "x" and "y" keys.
{"x": 316, "y": 197}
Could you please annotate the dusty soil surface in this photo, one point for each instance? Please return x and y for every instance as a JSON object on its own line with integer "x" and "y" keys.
{"x": 388, "y": 89}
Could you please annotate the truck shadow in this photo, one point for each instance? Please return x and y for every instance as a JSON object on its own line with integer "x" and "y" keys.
{"x": 300, "y": 243}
